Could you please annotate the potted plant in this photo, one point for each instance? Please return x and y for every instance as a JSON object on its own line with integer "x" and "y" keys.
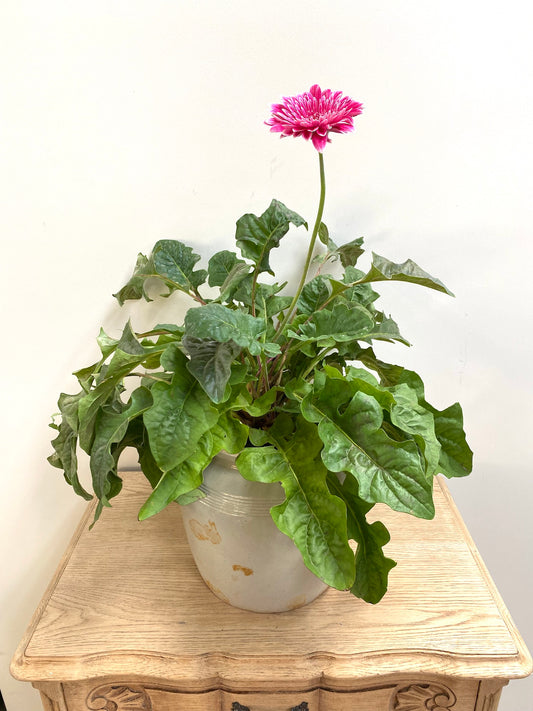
{"x": 289, "y": 384}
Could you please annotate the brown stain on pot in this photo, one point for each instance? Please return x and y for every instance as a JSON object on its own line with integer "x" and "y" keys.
{"x": 205, "y": 531}
{"x": 242, "y": 569}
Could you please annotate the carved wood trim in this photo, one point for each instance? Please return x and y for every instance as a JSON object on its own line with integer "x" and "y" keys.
{"x": 236, "y": 706}
{"x": 431, "y": 696}
{"x": 118, "y": 697}
{"x": 422, "y": 697}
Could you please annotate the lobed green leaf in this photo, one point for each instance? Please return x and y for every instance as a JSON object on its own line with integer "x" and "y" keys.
{"x": 219, "y": 323}
{"x": 384, "y": 270}
{"x": 135, "y": 287}
{"x": 385, "y": 329}
{"x": 257, "y": 236}
{"x": 210, "y": 363}
{"x": 372, "y": 567}
{"x": 181, "y": 414}
{"x": 65, "y": 444}
{"x": 314, "y": 295}
{"x": 180, "y": 480}
{"x": 350, "y": 252}
{"x": 310, "y": 515}
{"x": 344, "y": 322}
{"x": 221, "y": 265}
{"x": 455, "y": 458}
{"x": 350, "y": 426}
{"x": 175, "y": 261}
{"x": 110, "y": 428}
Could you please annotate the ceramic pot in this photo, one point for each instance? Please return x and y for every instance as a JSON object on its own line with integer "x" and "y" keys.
{"x": 238, "y": 550}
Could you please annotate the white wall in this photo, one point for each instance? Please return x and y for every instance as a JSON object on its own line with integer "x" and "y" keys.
{"x": 125, "y": 122}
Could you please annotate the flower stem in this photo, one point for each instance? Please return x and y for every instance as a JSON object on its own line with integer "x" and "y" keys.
{"x": 314, "y": 235}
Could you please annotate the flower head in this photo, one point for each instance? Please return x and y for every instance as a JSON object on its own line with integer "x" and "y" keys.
{"x": 314, "y": 115}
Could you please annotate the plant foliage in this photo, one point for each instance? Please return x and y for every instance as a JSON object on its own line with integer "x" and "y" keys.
{"x": 291, "y": 384}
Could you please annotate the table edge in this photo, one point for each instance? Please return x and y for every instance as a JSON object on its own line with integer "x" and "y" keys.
{"x": 168, "y": 667}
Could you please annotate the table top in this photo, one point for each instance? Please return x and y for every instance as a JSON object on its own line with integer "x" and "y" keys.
{"x": 128, "y": 600}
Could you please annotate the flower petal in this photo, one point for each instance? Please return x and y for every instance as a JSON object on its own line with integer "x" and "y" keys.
{"x": 319, "y": 142}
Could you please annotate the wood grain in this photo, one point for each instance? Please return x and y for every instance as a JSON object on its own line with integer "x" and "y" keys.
{"x": 128, "y": 603}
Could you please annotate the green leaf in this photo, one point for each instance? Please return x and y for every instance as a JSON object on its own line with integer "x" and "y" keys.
{"x": 411, "y": 417}
{"x": 363, "y": 378}
{"x": 345, "y": 322}
{"x": 216, "y": 322}
{"x": 267, "y": 347}
{"x": 267, "y": 302}
{"x": 227, "y": 271}
{"x": 147, "y": 462}
{"x": 314, "y": 295}
{"x": 175, "y": 261}
{"x": 68, "y": 406}
{"x": 114, "y": 488}
{"x": 258, "y": 438}
{"x": 455, "y": 459}
{"x": 86, "y": 376}
{"x": 181, "y": 414}
{"x": 455, "y": 456}
{"x": 128, "y": 342}
{"x": 384, "y": 270}
{"x": 88, "y": 410}
{"x": 311, "y": 515}
{"x": 181, "y": 483}
{"x": 171, "y": 262}
{"x": 323, "y": 234}
{"x": 389, "y": 374}
{"x": 128, "y": 355}
{"x": 257, "y": 236}
{"x": 65, "y": 444}
{"x": 385, "y": 329}
{"x": 297, "y": 389}
{"x": 134, "y": 289}
{"x": 371, "y": 566}
{"x": 349, "y": 253}
{"x": 262, "y": 404}
{"x": 263, "y": 291}
{"x": 190, "y": 497}
{"x": 229, "y": 434}
{"x": 240, "y": 374}
{"x": 106, "y": 344}
{"x": 237, "y": 275}
{"x": 360, "y": 293}
{"x": 211, "y": 364}
{"x": 239, "y": 398}
{"x": 350, "y": 425}
{"x": 221, "y": 266}
{"x": 110, "y": 428}
{"x": 180, "y": 480}
{"x": 272, "y": 305}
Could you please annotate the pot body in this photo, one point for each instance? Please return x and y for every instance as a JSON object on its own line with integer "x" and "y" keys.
{"x": 238, "y": 550}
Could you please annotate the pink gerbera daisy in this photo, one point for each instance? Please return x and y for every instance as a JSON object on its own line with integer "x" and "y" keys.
{"x": 314, "y": 115}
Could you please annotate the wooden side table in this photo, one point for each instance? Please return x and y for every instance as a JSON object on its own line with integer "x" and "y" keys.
{"x": 127, "y": 624}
